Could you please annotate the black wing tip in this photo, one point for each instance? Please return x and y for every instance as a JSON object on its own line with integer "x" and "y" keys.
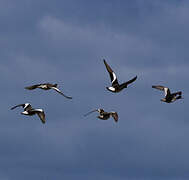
{"x": 16, "y": 106}
{"x": 67, "y": 97}
{"x": 135, "y": 77}
{"x": 29, "y": 88}
{"x": 104, "y": 60}
{"x": 86, "y": 114}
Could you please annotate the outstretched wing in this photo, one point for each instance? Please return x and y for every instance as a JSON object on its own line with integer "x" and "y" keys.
{"x": 32, "y": 87}
{"x": 90, "y": 112}
{"x": 132, "y": 80}
{"x": 41, "y": 115}
{"x": 111, "y": 73}
{"x": 18, "y": 106}
{"x": 177, "y": 93}
{"x": 56, "y": 89}
{"x": 115, "y": 116}
{"x": 128, "y": 82}
{"x": 162, "y": 88}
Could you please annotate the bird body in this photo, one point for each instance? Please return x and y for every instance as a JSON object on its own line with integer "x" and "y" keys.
{"x": 116, "y": 87}
{"x": 29, "y": 111}
{"x": 169, "y": 97}
{"x": 105, "y": 115}
{"x": 47, "y": 86}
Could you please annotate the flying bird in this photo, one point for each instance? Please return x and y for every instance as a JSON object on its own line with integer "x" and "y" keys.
{"x": 28, "y": 110}
{"x": 47, "y": 86}
{"x": 104, "y": 115}
{"x": 169, "y": 97}
{"x": 116, "y": 87}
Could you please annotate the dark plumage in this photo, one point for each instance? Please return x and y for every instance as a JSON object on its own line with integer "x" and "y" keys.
{"x": 47, "y": 86}
{"x": 169, "y": 97}
{"x": 104, "y": 115}
{"x": 28, "y": 110}
{"x": 116, "y": 87}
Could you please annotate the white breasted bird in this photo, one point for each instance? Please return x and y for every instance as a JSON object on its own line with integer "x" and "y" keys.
{"x": 47, "y": 86}
{"x": 116, "y": 87}
{"x": 29, "y": 111}
{"x": 169, "y": 97}
{"x": 104, "y": 115}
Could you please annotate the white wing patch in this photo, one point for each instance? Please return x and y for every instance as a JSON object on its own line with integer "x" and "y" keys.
{"x": 26, "y": 105}
{"x": 39, "y": 110}
{"x": 43, "y": 86}
{"x": 56, "y": 89}
{"x": 165, "y": 90}
{"x": 114, "y": 77}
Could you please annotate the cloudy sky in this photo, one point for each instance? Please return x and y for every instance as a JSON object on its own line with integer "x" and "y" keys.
{"x": 64, "y": 42}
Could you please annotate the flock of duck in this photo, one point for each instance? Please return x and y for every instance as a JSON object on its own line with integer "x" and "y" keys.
{"x": 115, "y": 88}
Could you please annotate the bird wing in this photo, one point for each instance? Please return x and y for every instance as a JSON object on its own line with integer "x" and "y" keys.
{"x": 56, "y": 89}
{"x": 115, "y": 116}
{"x": 41, "y": 115}
{"x": 177, "y": 93}
{"x": 128, "y": 82}
{"x": 90, "y": 112}
{"x": 162, "y": 88}
{"x": 32, "y": 87}
{"x": 111, "y": 73}
{"x": 18, "y": 106}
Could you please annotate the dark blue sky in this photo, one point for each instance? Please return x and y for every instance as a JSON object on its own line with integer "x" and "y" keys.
{"x": 64, "y": 42}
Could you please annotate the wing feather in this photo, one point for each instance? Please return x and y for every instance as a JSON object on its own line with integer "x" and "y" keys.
{"x": 41, "y": 115}
{"x": 57, "y": 90}
{"x": 32, "y": 87}
{"x": 18, "y": 106}
{"x": 115, "y": 116}
{"x": 111, "y": 73}
{"x": 90, "y": 112}
{"x": 162, "y": 88}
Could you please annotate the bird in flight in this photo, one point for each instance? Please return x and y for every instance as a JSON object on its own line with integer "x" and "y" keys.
{"x": 104, "y": 115}
{"x": 116, "y": 87}
{"x": 47, "y": 86}
{"x": 28, "y": 110}
{"x": 169, "y": 97}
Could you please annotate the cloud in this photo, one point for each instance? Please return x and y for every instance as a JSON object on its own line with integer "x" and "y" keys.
{"x": 98, "y": 40}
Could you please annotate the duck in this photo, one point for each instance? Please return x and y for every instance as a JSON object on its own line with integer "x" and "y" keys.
{"x": 104, "y": 115}
{"x": 116, "y": 87}
{"x": 169, "y": 97}
{"x": 47, "y": 86}
{"x": 29, "y": 111}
